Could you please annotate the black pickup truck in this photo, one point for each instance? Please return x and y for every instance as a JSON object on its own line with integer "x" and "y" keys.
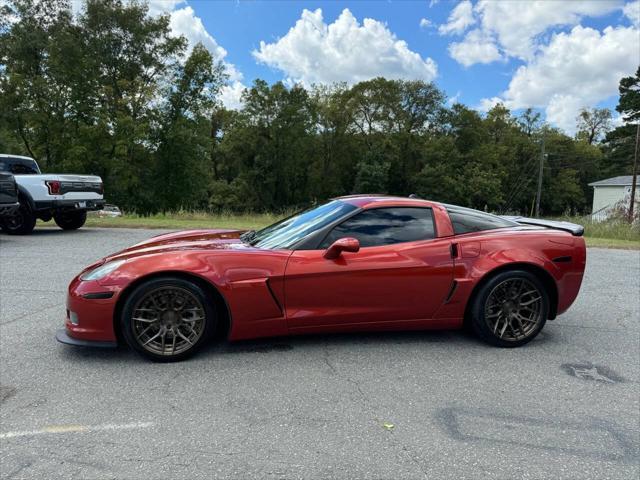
{"x": 8, "y": 197}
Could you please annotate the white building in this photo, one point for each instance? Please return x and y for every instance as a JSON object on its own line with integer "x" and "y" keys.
{"x": 611, "y": 192}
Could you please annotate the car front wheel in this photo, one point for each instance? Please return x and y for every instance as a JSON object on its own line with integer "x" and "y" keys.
{"x": 168, "y": 319}
{"x": 510, "y": 309}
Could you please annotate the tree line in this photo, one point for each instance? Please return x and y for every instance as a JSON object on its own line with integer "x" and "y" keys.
{"x": 112, "y": 92}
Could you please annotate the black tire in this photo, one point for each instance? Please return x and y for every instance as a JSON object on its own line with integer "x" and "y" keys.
{"x": 71, "y": 220}
{"x": 21, "y": 223}
{"x": 151, "y": 293}
{"x": 504, "y": 318}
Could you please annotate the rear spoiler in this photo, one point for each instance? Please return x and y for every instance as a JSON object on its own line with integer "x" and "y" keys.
{"x": 573, "y": 228}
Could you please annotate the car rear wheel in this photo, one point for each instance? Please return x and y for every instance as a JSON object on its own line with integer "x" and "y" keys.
{"x": 168, "y": 319}
{"x": 510, "y": 309}
{"x": 71, "y": 220}
{"x": 22, "y": 222}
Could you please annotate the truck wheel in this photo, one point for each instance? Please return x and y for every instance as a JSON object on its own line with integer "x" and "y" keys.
{"x": 21, "y": 223}
{"x": 70, "y": 220}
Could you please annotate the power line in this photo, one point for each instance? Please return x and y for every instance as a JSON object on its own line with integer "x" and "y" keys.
{"x": 521, "y": 181}
{"x": 634, "y": 175}
{"x": 539, "y": 194}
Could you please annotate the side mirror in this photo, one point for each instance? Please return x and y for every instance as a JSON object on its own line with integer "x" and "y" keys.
{"x": 347, "y": 244}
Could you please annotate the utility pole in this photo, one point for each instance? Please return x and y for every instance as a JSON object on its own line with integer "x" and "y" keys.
{"x": 542, "y": 155}
{"x": 634, "y": 174}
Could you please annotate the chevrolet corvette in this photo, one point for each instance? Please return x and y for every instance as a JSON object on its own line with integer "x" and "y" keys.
{"x": 355, "y": 263}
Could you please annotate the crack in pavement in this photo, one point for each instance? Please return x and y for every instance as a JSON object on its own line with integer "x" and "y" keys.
{"x": 367, "y": 405}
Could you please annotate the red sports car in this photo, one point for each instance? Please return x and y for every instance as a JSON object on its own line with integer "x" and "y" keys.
{"x": 355, "y": 263}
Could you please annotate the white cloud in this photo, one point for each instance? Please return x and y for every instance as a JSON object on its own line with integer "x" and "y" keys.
{"x": 632, "y": 11}
{"x": 561, "y": 73}
{"x": 345, "y": 50}
{"x": 517, "y": 26}
{"x": 76, "y": 6}
{"x": 159, "y": 7}
{"x": 460, "y": 18}
{"x": 487, "y": 104}
{"x": 425, "y": 23}
{"x": 184, "y": 21}
{"x": 477, "y": 47}
{"x": 231, "y": 95}
{"x": 451, "y": 101}
{"x": 576, "y": 69}
{"x": 562, "y": 110}
{"x": 515, "y": 29}
{"x": 617, "y": 120}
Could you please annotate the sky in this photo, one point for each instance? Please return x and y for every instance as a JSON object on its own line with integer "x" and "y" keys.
{"x": 555, "y": 56}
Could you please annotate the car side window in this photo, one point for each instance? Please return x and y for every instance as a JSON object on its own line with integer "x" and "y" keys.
{"x": 385, "y": 226}
{"x": 466, "y": 220}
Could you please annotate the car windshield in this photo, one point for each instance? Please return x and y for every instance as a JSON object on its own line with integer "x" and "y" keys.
{"x": 285, "y": 233}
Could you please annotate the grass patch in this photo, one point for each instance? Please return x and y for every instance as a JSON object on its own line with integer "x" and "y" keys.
{"x": 615, "y": 233}
{"x": 612, "y": 243}
{"x": 615, "y": 229}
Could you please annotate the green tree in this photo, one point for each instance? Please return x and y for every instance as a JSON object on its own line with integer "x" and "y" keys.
{"x": 36, "y": 85}
{"x": 184, "y": 170}
{"x": 629, "y": 104}
{"x": 113, "y": 92}
{"x": 593, "y": 124}
{"x": 620, "y": 142}
{"x": 270, "y": 145}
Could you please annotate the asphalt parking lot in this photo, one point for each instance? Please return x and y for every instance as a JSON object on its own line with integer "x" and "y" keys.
{"x": 399, "y": 405}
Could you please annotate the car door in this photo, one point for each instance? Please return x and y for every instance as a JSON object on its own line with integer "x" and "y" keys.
{"x": 402, "y": 272}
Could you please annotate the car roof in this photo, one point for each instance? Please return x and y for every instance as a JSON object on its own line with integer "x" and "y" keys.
{"x": 374, "y": 200}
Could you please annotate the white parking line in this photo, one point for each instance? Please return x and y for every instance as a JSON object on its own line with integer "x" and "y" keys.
{"x": 76, "y": 429}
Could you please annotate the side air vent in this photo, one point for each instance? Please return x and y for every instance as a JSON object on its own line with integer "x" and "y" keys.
{"x": 566, "y": 259}
{"x": 452, "y": 290}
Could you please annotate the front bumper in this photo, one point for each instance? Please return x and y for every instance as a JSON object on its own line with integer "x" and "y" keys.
{"x": 91, "y": 306}
{"x": 63, "y": 337}
{"x": 8, "y": 209}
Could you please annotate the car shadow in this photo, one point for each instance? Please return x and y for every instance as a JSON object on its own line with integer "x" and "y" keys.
{"x": 339, "y": 340}
{"x": 298, "y": 344}
{"x": 278, "y": 345}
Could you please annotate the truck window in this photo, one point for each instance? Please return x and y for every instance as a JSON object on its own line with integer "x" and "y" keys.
{"x": 19, "y": 166}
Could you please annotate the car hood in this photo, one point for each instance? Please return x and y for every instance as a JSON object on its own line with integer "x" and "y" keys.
{"x": 185, "y": 240}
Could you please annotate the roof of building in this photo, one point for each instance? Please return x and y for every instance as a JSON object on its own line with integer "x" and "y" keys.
{"x": 621, "y": 181}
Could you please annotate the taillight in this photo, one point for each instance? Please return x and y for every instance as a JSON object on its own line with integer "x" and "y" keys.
{"x": 53, "y": 186}
{"x": 101, "y": 189}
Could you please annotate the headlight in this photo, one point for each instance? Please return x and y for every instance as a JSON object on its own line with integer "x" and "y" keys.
{"x": 102, "y": 271}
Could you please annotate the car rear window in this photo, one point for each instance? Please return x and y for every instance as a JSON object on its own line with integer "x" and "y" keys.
{"x": 466, "y": 220}
{"x": 19, "y": 166}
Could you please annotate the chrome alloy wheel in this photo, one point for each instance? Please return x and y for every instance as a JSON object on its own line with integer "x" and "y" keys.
{"x": 514, "y": 309}
{"x": 168, "y": 321}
